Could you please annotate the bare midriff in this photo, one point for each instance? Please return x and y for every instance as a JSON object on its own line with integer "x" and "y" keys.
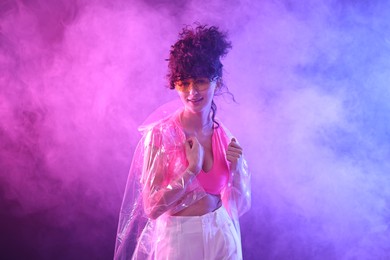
{"x": 207, "y": 204}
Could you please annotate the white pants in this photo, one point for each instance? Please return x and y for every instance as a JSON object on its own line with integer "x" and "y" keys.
{"x": 211, "y": 236}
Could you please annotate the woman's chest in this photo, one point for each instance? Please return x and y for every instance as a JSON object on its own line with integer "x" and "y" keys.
{"x": 208, "y": 157}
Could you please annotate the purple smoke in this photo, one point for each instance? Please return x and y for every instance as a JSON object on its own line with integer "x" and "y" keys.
{"x": 78, "y": 77}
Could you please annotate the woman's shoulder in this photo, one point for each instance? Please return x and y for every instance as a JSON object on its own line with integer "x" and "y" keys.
{"x": 159, "y": 125}
{"x": 167, "y": 130}
{"x": 161, "y": 118}
{"x": 223, "y": 129}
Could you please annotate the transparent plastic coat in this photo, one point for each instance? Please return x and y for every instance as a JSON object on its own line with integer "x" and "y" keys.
{"x": 159, "y": 185}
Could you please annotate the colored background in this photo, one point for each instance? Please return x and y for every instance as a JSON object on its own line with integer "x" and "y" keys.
{"x": 311, "y": 80}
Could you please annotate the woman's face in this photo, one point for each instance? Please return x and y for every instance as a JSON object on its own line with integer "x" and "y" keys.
{"x": 196, "y": 93}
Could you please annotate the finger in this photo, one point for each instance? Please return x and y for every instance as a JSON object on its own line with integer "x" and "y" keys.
{"x": 233, "y": 140}
{"x": 233, "y": 156}
{"x": 188, "y": 145}
{"x": 192, "y": 141}
{"x": 230, "y": 158}
{"x": 236, "y": 153}
{"x": 235, "y": 150}
{"x": 233, "y": 144}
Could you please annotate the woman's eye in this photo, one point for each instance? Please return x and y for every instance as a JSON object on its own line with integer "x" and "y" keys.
{"x": 201, "y": 82}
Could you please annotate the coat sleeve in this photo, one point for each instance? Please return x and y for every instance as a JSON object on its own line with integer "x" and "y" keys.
{"x": 240, "y": 191}
{"x": 166, "y": 180}
{"x": 237, "y": 196}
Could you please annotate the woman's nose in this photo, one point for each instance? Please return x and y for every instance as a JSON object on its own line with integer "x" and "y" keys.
{"x": 193, "y": 89}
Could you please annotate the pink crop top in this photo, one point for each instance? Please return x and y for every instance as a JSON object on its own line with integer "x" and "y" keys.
{"x": 215, "y": 180}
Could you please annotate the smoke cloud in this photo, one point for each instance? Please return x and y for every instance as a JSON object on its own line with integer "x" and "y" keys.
{"x": 311, "y": 80}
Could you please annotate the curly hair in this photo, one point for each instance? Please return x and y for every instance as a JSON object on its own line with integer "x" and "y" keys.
{"x": 197, "y": 54}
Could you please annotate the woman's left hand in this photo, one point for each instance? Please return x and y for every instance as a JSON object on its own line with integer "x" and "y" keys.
{"x": 234, "y": 155}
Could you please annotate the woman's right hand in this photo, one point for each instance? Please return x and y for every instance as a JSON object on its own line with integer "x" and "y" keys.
{"x": 195, "y": 154}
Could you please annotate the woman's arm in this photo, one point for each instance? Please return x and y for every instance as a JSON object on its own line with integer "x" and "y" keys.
{"x": 241, "y": 187}
{"x": 159, "y": 193}
{"x": 241, "y": 190}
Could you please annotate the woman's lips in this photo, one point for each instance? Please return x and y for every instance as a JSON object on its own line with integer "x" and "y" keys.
{"x": 195, "y": 100}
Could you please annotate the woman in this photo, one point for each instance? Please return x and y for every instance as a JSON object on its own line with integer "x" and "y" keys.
{"x": 188, "y": 182}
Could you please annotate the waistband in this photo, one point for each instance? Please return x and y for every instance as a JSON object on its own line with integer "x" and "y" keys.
{"x": 193, "y": 223}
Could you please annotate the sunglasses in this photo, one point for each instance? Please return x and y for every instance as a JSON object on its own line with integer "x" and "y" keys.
{"x": 187, "y": 85}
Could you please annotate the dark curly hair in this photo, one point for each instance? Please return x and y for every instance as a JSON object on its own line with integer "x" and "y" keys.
{"x": 197, "y": 54}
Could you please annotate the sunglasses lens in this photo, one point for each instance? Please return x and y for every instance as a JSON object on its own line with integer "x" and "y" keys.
{"x": 202, "y": 84}
{"x": 186, "y": 85}
{"x": 182, "y": 87}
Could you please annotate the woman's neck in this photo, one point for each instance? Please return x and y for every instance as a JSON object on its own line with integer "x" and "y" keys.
{"x": 196, "y": 122}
